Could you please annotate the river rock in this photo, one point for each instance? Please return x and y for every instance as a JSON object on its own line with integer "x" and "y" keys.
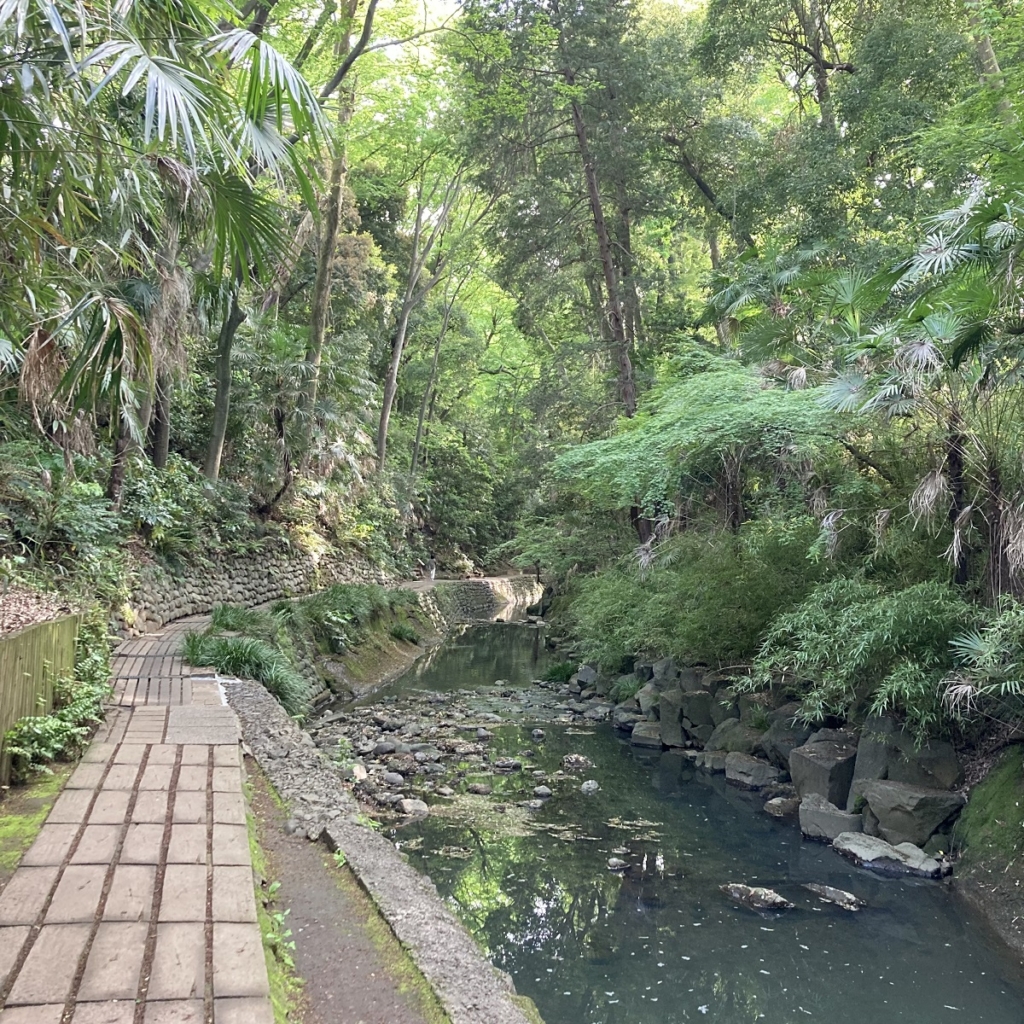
{"x": 757, "y": 897}
{"x": 383, "y": 748}
{"x": 696, "y": 706}
{"x": 731, "y": 736}
{"x": 782, "y": 806}
{"x": 670, "y": 715}
{"x": 820, "y": 819}
{"x": 416, "y": 808}
{"x": 624, "y": 719}
{"x": 910, "y": 814}
{"x": 878, "y": 855}
{"x": 482, "y": 734}
{"x": 823, "y": 768}
{"x": 646, "y": 734}
{"x": 537, "y": 735}
{"x": 479, "y": 789}
{"x": 749, "y": 772}
{"x": 590, "y": 787}
{"x": 725, "y": 704}
{"x": 887, "y": 751}
{"x": 664, "y": 671}
{"x": 711, "y": 760}
{"x": 542, "y": 791}
{"x": 617, "y": 864}
{"x": 598, "y": 713}
{"x": 647, "y": 698}
{"x": 394, "y": 779}
{"x": 587, "y": 675}
{"x": 840, "y": 897}
{"x": 784, "y": 735}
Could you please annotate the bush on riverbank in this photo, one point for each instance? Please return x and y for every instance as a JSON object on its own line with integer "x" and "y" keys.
{"x": 279, "y": 646}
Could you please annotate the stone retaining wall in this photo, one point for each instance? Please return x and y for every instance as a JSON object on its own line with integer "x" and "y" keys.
{"x": 476, "y": 599}
{"x": 273, "y": 572}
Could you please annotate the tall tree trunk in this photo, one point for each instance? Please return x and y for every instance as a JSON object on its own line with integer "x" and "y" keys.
{"x": 992, "y": 76}
{"x": 721, "y": 327}
{"x": 427, "y": 392}
{"x": 222, "y": 399}
{"x": 616, "y": 323}
{"x": 321, "y": 299}
{"x": 391, "y": 381}
{"x": 118, "y": 466}
{"x": 955, "y": 460}
{"x": 162, "y": 419}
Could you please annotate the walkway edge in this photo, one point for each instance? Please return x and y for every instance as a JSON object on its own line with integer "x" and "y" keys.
{"x": 470, "y": 989}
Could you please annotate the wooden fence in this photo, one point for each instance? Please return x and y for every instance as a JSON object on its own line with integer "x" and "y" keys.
{"x": 30, "y": 661}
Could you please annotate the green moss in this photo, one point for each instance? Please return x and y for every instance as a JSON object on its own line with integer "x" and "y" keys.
{"x": 991, "y": 827}
{"x": 22, "y": 814}
{"x": 285, "y": 984}
{"x": 397, "y": 962}
{"x": 529, "y": 1008}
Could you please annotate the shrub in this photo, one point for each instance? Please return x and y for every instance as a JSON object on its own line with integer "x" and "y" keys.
{"x": 852, "y": 648}
{"x": 403, "y": 631}
{"x": 36, "y": 740}
{"x": 560, "y": 673}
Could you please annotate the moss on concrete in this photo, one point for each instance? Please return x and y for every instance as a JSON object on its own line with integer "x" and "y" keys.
{"x": 22, "y": 813}
{"x": 397, "y": 962}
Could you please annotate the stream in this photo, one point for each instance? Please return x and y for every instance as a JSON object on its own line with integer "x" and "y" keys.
{"x": 659, "y": 943}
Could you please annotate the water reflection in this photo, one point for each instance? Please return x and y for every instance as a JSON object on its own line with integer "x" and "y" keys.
{"x": 659, "y": 944}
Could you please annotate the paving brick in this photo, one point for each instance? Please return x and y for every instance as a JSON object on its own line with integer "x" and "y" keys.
{"x": 130, "y": 753}
{"x": 228, "y": 809}
{"x": 226, "y": 756}
{"x": 121, "y": 776}
{"x": 97, "y": 845}
{"x": 150, "y": 807}
{"x": 227, "y": 780}
{"x": 179, "y": 962}
{"x": 142, "y": 844}
{"x": 51, "y": 966}
{"x": 25, "y": 894}
{"x": 242, "y": 1011}
{"x": 115, "y": 960}
{"x": 156, "y": 776}
{"x": 78, "y": 894}
{"x": 230, "y": 844}
{"x": 234, "y": 897}
{"x": 131, "y": 893}
{"x": 70, "y": 807}
{"x": 86, "y": 776}
{"x": 192, "y": 776}
{"x": 111, "y": 808}
{"x": 190, "y": 808}
{"x": 188, "y": 845}
{"x": 120, "y": 1011}
{"x": 162, "y": 753}
{"x": 51, "y": 845}
{"x": 50, "y": 1014}
{"x": 239, "y": 968}
{"x": 195, "y": 754}
{"x": 11, "y": 941}
{"x": 183, "y": 1011}
{"x": 99, "y": 752}
{"x": 184, "y": 893}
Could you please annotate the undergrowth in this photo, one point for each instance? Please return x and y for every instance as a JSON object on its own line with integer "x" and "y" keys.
{"x": 35, "y": 741}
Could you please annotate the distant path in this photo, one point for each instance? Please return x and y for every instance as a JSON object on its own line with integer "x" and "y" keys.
{"x": 135, "y": 904}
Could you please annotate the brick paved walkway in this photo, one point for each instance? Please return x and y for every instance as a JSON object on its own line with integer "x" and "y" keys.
{"x": 135, "y": 905}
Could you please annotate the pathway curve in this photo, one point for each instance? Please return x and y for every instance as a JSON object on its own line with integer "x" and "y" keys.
{"x": 135, "y": 904}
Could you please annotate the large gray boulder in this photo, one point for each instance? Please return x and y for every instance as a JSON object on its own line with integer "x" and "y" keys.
{"x": 664, "y": 672}
{"x": 910, "y": 814}
{"x": 784, "y": 735}
{"x": 696, "y": 706}
{"x": 670, "y": 709}
{"x": 732, "y": 736}
{"x": 625, "y": 716}
{"x": 587, "y": 675}
{"x": 647, "y": 697}
{"x": 724, "y": 705}
{"x": 820, "y": 819}
{"x": 823, "y": 768}
{"x": 878, "y": 855}
{"x": 711, "y": 760}
{"x": 750, "y": 772}
{"x": 888, "y": 751}
{"x": 646, "y": 734}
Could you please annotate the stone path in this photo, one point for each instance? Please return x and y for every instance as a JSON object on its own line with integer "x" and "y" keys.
{"x": 135, "y": 904}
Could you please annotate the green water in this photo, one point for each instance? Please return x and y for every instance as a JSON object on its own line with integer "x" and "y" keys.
{"x": 660, "y": 944}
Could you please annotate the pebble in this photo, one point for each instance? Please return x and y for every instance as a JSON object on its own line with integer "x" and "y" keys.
{"x": 616, "y": 864}
{"x": 541, "y": 791}
{"x": 394, "y": 779}
{"x": 538, "y": 735}
{"x": 482, "y": 734}
{"x": 479, "y": 789}
{"x": 589, "y": 787}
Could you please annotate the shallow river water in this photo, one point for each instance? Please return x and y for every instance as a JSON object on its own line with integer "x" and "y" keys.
{"x": 659, "y": 944}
